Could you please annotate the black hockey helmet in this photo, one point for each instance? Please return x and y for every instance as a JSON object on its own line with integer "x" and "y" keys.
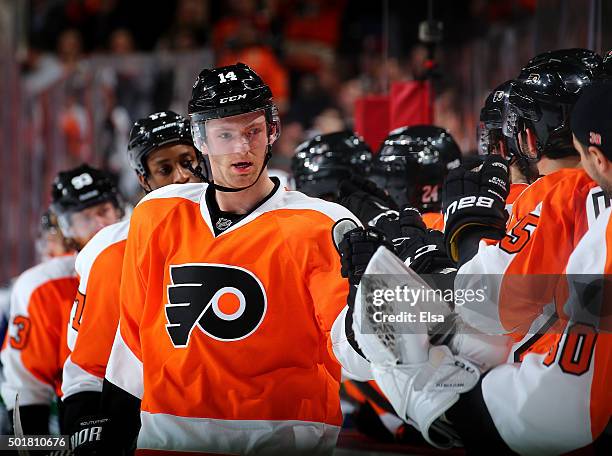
{"x": 154, "y": 131}
{"x": 230, "y": 91}
{"x": 321, "y": 163}
{"x": 542, "y": 100}
{"x": 79, "y": 188}
{"x": 490, "y": 127}
{"x": 412, "y": 164}
{"x": 607, "y": 62}
{"x": 584, "y": 58}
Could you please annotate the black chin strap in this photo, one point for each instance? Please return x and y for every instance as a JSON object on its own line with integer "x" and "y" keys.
{"x": 197, "y": 171}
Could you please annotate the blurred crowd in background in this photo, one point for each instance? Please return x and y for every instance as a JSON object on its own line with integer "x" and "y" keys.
{"x": 75, "y": 74}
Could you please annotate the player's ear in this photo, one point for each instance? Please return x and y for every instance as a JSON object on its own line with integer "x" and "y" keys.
{"x": 531, "y": 143}
{"x": 143, "y": 183}
{"x": 599, "y": 159}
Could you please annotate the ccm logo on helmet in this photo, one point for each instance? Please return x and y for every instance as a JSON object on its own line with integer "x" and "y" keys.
{"x": 469, "y": 201}
{"x": 232, "y": 98}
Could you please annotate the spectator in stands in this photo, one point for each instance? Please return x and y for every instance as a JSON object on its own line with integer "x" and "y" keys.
{"x": 238, "y": 13}
{"x": 311, "y": 32}
{"x": 121, "y": 42}
{"x": 190, "y": 28}
{"x": 246, "y": 47}
{"x": 70, "y": 49}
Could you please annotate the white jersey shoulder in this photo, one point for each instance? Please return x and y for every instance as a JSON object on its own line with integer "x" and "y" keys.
{"x": 298, "y": 200}
{"x": 590, "y": 255}
{"x": 596, "y": 203}
{"x": 285, "y": 178}
{"x": 192, "y": 192}
{"x": 33, "y": 278}
{"x": 103, "y": 239}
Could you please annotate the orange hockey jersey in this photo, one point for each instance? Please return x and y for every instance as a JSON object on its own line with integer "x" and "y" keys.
{"x": 559, "y": 398}
{"x": 225, "y": 338}
{"x": 434, "y": 220}
{"x": 515, "y": 191}
{"x": 520, "y": 273}
{"x": 35, "y": 347}
{"x": 95, "y": 313}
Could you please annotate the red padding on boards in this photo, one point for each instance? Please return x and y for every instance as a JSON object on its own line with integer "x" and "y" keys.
{"x": 410, "y": 104}
{"x": 372, "y": 119}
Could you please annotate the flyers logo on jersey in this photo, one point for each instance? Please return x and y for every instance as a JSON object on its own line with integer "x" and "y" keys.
{"x": 225, "y": 302}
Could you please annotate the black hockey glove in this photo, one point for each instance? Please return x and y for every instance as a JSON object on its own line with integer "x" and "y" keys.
{"x": 413, "y": 241}
{"x": 475, "y": 200}
{"x": 92, "y": 435}
{"x": 357, "y": 248}
{"x": 365, "y": 199}
{"x": 422, "y": 248}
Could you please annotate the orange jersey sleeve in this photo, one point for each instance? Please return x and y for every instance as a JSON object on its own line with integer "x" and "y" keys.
{"x": 36, "y": 346}
{"x": 520, "y": 273}
{"x": 221, "y": 333}
{"x": 95, "y": 313}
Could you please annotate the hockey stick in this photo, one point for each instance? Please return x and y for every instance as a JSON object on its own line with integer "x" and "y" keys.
{"x": 18, "y": 428}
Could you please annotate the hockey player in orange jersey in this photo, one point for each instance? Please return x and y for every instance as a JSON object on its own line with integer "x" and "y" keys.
{"x": 51, "y": 242}
{"x": 411, "y": 165}
{"x": 515, "y": 406}
{"x": 232, "y": 302}
{"x": 84, "y": 200}
{"x": 491, "y": 140}
{"x": 320, "y": 164}
{"x": 536, "y": 121}
{"x": 161, "y": 152}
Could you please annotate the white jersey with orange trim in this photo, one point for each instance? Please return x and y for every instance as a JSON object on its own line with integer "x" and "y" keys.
{"x": 95, "y": 313}
{"x": 520, "y": 272}
{"x": 559, "y": 398}
{"x": 35, "y": 346}
{"x": 226, "y": 338}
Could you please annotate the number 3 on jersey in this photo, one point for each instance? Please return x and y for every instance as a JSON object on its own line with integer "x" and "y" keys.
{"x": 21, "y": 333}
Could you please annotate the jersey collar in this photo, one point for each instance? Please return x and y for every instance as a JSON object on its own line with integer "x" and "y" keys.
{"x": 267, "y": 204}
